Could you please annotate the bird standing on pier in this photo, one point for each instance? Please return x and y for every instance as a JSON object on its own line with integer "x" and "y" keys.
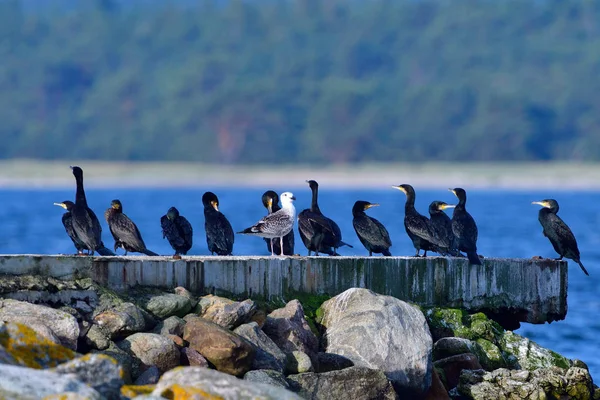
{"x": 464, "y": 227}
{"x": 85, "y": 223}
{"x": 178, "y": 231}
{"x": 270, "y": 200}
{"x": 67, "y": 221}
{"x": 124, "y": 230}
{"x": 442, "y": 227}
{"x": 219, "y": 233}
{"x": 319, "y": 233}
{"x": 418, "y": 227}
{"x": 277, "y": 224}
{"x": 371, "y": 233}
{"x": 558, "y": 232}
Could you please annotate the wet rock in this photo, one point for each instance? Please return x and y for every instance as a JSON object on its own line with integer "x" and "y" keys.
{"x": 170, "y": 326}
{"x": 63, "y": 325}
{"x": 380, "y": 332}
{"x": 168, "y": 304}
{"x": 125, "y": 319}
{"x": 353, "y": 382}
{"x": 23, "y": 346}
{"x": 268, "y": 355}
{"x": 129, "y": 364}
{"x": 288, "y": 328}
{"x": 298, "y": 362}
{"x": 333, "y": 362}
{"x": 227, "y": 351}
{"x": 192, "y": 358}
{"x": 267, "y": 376}
{"x": 152, "y": 349}
{"x": 437, "y": 390}
{"x": 529, "y": 355}
{"x": 148, "y": 377}
{"x": 227, "y": 313}
{"x": 98, "y": 371}
{"x": 26, "y": 383}
{"x": 207, "y": 382}
{"x": 453, "y": 366}
{"x": 544, "y": 383}
{"x": 96, "y": 338}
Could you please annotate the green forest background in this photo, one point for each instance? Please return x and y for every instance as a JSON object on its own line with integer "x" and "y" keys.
{"x": 300, "y": 81}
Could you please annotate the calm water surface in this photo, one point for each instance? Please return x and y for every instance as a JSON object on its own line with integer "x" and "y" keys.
{"x": 507, "y": 222}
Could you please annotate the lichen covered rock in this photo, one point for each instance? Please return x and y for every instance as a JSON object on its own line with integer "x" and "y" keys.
{"x": 122, "y": 320}
{"x": 167, "y": 304}
{"x": 529, "y": 355}
{"x": 227, "y": 313}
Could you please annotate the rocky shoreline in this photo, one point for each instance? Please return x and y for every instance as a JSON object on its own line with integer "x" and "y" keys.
{"x": 78, "y": 340}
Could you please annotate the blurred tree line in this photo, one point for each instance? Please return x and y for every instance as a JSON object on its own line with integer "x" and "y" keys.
{"x": 301, "y": 81}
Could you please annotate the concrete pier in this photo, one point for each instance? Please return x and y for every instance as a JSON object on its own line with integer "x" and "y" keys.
{"x": 528, "y": 290}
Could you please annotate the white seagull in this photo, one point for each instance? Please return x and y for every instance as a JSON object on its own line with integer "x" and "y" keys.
{"x": 277, "y": 224}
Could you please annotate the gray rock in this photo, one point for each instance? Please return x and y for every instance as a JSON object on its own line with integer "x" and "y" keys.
{"x": 31, "y": 384}
{"x": 63, "y": 325}
{"x": 227, "y": 313}
{"x": 333, "y": 362}
{"x": 148, "y": 377}
{"x": 129, "y": 364}
{"x": 298, "y": 362}
{"x": 96, "y": 338}
{"x": 380, "y": 332}
{"x": 288, "y": 328}
{"x": 267, "y": 376}
{"x": 98, "y": 371}
{"x": 170, "y": 326}
{"x": 168, "y": 304}
{"x": 152, "y": 349}
{"x": 192, "y": 358}
{"x": 181, "y": 291}
{"x": 530, "y": 355}
{"x": 215, "y": 383}
{"x": 350, "y": 383}
{"x": 544, "y": 383}
{"x": 489, "y": 355}
{"x": 122, "y": 320}
{"x": 268, "y": 355}
{"x": 451, "y": 346}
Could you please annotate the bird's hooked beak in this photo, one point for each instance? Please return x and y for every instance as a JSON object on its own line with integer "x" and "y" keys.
{"x": 71, "y": 166}
{"x": 541, "y": 203}
{"x": 444, "y": 206}
{"x": 63, "y": 205}
{"x": 215, "y": 205}
{"x": 293, "y": 198}
{"x": 270, "y": 205}
{"x": 371, "y": 205}
{"x": 399, "y": 188}
{"x": 453, "y": 191}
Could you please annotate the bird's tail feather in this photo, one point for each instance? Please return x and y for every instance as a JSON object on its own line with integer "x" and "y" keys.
{"x": 583, "y": 268}
{"x": 103, "y": 251}
{"x": 345, "y": 244}
{"x": 149, "y": 252}
{"x": 473, "y": 258}
{"x": 386, "y": 253}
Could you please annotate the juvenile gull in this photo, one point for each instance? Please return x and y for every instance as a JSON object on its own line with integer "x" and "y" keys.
{"x": 277, "y": 224}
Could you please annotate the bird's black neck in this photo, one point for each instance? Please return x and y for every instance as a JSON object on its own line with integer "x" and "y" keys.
{"x": 80, "y": 194}
{"x": 314, "y": 205}
{"x": 409, "y": 206}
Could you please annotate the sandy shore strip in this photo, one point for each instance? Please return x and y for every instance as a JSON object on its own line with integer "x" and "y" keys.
{"x": 517, "y": 176}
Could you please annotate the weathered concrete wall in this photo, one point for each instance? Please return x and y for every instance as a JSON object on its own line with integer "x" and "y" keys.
{"x": 530, "y": 290}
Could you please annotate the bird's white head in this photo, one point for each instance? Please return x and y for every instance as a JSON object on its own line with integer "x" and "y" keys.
{"x": 287, "y": 197}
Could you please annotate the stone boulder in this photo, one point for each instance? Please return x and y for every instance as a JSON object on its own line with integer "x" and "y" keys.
{"x": 63, "y": 325}
{"x": 529, "y": 355}
{"x": 208, "y": 383}
{"x": 333, "y": 362}
{"x": 26, "y": 383}
{"x": 181, "y": 291}
{"x": 298, "y": 362}
{"x": 454, "y": 365}
{"x": 170, "y": 326}
{"x": 545, "y": 383}
{"x": 227, "y": 313}
{"x": 489, "y": 355}
{"x": 23, "y": 346}
{"x": 98, "y": 371}
{"x": 268, "y": 355}
{"x": 192, "y": 358}
{"x": 148, "y": 377}
{"x": 290, "y": 331}
{"x": 97, "y": 338}
{"x": 227, "y": 351}
{"x": 122, "y": 320}
{"x": 152, "y": 350}
{"x": 349, "y": 383}
{"x": 380, "y": 332}
{"x": 267, "y": 376}
{"x": 129, "y": 364}
{"x": 167, "y": 304}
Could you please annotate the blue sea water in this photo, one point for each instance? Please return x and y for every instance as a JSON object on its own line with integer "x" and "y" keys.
{"x": 507, "y": 222}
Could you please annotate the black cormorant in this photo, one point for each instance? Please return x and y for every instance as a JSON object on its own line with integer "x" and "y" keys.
{"x": 319, "y": 233}
{"x": 371, "y": 233}
{"x": 85, "y": 223}
{"x": 124, "y": 231}
{"x": 558, "y": 232}
{"x": 442, "y": 227}
{"x": 277, "y": 224}
{"x": 219, "y": 234}
{"x": 270, "y": 200}
{"x": 68, "y": 224}
{"x": 418, "y": 227}
{"x": 177, "y": 230}
{"x": 464, "y": 227}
